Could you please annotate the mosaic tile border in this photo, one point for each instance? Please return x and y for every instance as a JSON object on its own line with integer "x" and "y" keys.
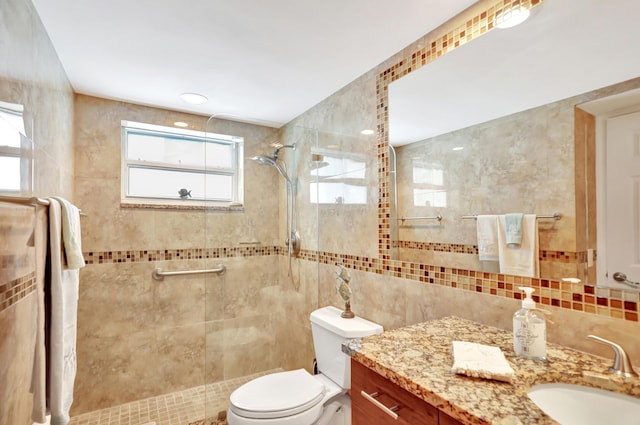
{"x": 137, "y": 256}
{"x": 568, "y": 257}
{"x": 614, "y": 303}
{"x": 607, "y": 302}
{"x": 17, "y": 289}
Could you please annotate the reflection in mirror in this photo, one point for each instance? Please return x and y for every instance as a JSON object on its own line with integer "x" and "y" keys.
{"x": 339, "y": 178}
{"x": 489, "y": 128}
{"x": 15, "y": 152}
{"x": 616, "y": 126}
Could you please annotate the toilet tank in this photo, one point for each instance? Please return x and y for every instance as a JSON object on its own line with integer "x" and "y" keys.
{"x": 329, "y": 331}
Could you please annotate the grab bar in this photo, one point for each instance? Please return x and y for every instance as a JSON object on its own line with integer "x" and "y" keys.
{"x": 435, "y": 217}
{"x": 158, "y": 274}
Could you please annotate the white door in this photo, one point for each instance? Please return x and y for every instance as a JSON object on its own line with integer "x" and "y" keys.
{"x": 622, "y": 194}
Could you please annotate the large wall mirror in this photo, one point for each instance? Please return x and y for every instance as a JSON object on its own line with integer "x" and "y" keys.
{"x": 491, "y": 128}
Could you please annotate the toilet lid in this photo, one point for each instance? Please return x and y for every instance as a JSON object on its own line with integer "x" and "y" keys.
{"x": 277, "y": 395}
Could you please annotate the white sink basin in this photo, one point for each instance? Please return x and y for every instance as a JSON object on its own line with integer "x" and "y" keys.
{"x": 575, "y": 404}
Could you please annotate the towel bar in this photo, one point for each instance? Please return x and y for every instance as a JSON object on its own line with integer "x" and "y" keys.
{"x": 555, "y": 216}
{"x": 28, "y": 201}
{"x": 158, "y": 274}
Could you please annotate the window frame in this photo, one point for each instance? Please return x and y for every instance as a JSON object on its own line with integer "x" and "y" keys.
{"x": 236, "y": 172}
{"x": 22, "y": 152}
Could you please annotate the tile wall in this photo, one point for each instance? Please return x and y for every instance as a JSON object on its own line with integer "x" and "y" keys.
{"x": 30, "y": 75}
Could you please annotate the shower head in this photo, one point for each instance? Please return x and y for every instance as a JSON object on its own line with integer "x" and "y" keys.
{"x": 272, "y": 162}
{"x": 265, "y": 160}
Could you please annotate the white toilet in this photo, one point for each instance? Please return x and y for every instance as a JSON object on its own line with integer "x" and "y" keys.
{"x": 297, "y": 397}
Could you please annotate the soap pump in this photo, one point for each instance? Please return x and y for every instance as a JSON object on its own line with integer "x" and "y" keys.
{"x": 529, "y": 329}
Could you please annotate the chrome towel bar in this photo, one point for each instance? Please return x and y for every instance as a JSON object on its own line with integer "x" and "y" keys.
{"x": 555, "y": 216}
{"x": 158, "y": 274}
{"x": 28, "y": 201}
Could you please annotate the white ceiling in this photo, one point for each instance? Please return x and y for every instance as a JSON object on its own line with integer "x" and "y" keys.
{"x": 256, "y": 60}
{"x": 566, "y": 48}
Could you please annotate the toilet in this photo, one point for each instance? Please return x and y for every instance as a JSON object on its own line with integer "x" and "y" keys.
{"x": 298, "y": 398}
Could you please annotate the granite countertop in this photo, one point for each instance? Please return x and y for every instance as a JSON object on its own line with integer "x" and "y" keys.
{"x": 418, "y": 358}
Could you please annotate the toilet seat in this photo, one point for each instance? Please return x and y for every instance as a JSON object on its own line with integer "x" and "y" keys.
{"x": 277, "y": 395}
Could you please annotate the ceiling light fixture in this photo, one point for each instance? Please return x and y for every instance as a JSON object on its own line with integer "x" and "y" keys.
{"x": 194, "y": 98}
{"x": 511, "y": 16}
{"x": 367, "y": 132}
{"x": 180, "y": 124}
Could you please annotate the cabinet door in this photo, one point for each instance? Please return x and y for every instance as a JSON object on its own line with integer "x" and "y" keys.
{"x": 448, "y": 420}
{"x": 374, "y": 399}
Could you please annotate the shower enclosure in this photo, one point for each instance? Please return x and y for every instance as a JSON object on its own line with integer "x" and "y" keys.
{"x": 192, "y": 337}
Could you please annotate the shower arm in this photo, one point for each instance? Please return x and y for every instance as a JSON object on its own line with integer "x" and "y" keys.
{"x": 277, "y": 151}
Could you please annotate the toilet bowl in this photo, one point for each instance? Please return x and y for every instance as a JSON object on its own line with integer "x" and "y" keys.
{"x": 298, "y": 398}
{"x": 293, "y": 398}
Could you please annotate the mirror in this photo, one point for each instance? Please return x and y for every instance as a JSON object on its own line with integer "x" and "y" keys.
{"x": 488, "y": 128}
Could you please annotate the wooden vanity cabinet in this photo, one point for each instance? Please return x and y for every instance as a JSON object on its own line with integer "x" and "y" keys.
{"x": 374, "y": 399}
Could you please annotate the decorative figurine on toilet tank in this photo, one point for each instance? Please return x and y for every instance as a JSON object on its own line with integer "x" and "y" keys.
{"x": 344, "y": 290}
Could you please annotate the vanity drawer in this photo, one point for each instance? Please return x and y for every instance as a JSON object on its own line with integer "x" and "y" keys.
{"x": 372, "y": 393}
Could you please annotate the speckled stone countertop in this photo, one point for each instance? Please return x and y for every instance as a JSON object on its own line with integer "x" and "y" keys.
{"x": 419, "y": 358}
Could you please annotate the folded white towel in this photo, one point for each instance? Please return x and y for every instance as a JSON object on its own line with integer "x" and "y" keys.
{"x": 480, "y": 361}
{"x": 487, "y": 231}
{"x": 71, "y": 234}
{"x": 61, "y": 347}
{"x": 523, "y": 259}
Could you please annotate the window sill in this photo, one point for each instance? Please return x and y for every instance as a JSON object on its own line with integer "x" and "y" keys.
{"x": 186, "y": 206}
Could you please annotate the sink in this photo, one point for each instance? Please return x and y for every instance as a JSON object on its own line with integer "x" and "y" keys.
{"x": 576, "y": 404}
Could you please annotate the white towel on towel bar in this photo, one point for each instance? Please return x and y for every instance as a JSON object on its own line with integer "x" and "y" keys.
{"x": 523, "y": 259}
{"x": 487, "y": 231}
{"x": 63, "y": 323}
{"x": 71, "y": 234}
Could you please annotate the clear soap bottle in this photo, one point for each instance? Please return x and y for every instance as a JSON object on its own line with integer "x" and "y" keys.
{"x": 529, "y": 330}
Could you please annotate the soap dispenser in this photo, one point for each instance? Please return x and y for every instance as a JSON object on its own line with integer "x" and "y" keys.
{"x": 529, "y": 330}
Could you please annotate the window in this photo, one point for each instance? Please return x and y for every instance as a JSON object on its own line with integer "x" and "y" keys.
{"x": 340, "y": 180}
{"x": 428, "y": 185}
{"x": 15, "y": 151}
{"x": 169, "y": 166}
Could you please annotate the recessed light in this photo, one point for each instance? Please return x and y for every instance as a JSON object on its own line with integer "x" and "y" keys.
{"x": 510, "y": 17}
{"x": 458, "y": 148}
{"x": 180, "y": 124}
{"x": 367, "y": 132}
{"x": 194, "y": 98}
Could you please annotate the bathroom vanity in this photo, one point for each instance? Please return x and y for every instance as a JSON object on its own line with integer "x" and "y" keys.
{"x": 373, "y": 397}
{"x": 410, "y": 368}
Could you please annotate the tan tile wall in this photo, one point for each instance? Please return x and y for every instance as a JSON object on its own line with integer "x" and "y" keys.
{"x": 31, "y": 75}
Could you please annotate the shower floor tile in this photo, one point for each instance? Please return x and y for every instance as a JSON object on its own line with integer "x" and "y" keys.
{"x": 177, "y": 408}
